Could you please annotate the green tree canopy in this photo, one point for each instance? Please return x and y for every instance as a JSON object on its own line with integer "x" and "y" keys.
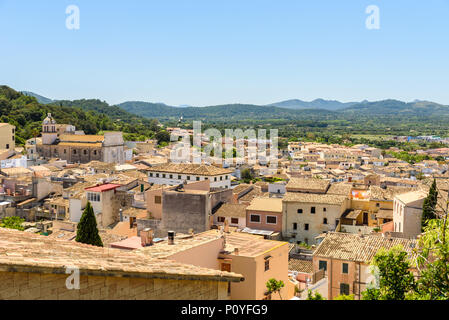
{"x": 87, "y": 231}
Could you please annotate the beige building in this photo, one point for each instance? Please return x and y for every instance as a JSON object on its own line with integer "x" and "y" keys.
{"x": 307, "y": 215}
{"x": 346, "y": 257}
{"x": 61, "y": 141}
{"x": 257, "y": 259}
{"x": 407, "y": 213}
{"x": 7, "y": 139}
{"x": 27, "y": 272}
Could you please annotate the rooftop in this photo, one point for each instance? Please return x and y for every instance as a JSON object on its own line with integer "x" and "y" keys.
{"x": 314, "y": 198}
{"x": 190, "y": 168}
{"x": 266, "y": 204}
{"x": 231, "y": 210}
{"x": 25, "y": 252}
{"x": 104, "y": 187}
{"x": 353, "y": 247}
{"x": 316, "y": 185}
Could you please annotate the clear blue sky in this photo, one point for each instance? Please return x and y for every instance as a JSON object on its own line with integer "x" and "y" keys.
{"x": 206, "y": 52}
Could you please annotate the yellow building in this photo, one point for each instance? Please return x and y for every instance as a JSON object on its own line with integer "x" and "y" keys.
{"x": 7, "y": 137}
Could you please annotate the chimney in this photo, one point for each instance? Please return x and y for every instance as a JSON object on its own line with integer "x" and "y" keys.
{"x": 236, "y": 251}
{"x": 171, "y": 237}
{"x": 146, "y": 237}
{"x": 226, "y": 226}
{"x": 121, "y": 214}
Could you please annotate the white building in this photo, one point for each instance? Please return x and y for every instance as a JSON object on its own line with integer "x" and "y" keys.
{"x": 407, "y": 213}
{"x": 175, "y": 174}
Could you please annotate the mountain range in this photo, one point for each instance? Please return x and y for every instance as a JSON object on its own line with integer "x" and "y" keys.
{"x": 316, "y": 110}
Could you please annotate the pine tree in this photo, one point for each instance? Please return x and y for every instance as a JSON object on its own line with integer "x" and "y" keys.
{"x": 87, "y": 231}
{"x": 429, "y": 206}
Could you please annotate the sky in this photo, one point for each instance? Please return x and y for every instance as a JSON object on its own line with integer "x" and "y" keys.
{"x": 210, "y": 52}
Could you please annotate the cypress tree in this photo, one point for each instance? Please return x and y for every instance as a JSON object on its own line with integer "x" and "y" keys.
{"x": 87, "y": 231}
{"x": 429, "y": 206}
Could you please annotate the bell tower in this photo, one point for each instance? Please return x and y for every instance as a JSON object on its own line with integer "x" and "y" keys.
{"x": 49, "y": 133}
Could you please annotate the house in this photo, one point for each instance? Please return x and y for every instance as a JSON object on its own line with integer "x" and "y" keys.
{"x": 307, "y": 215}
{"x": 175, "y": 174}
{"x": 104, "y": 273}
{"x": 234, "y": 214}
{"x": 7, "y": 139}
{"x": 255, "y": 258}
{"x": 407, "y": 213}
{"x": 345, "y": 259}
{"x": 265, "y": 214}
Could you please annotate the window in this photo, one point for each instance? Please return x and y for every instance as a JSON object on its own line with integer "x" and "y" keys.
{"x": 267, "y": 265}
{"x": 74, "y": 151}
{"x": 7, "y": 146}
{"x": 235, "y": 220}
{"x": 255, "y": 218}
{"x": 378, "y": 205}
{"x": 324, "y": 209}
{"x": 85, "y": 151}
{"x": 295, "y": 226}
{"x": 322, "y": 265}
{"x": 171, "y": 176}
{"x": 95, "y": 152}
{"x": 312, "y": 210}
{"x": 325, "y": 221}
{"x": 299, "y": 211}
{"x": 151, "y": 174}
{"x": 158, "y": 199}
{"x": 188, "y": 177}
{"x": 65, "y": 151}
{"x": 227, "y": 177}
{"x": 163, "y": 175}
{"x": 306, "y": 227}
{"x": 221, "y": 178}
{"x": 344, "y": 288}
{"x": 345, "y": 268}
{"x": 215, "y": 179}
{"x": 197, "y": 178}
{"x": 272, "y": 220}
{"x": 221, "y": 219}
{"x": 157, "y": 175}
{"x": 179, "y": 177}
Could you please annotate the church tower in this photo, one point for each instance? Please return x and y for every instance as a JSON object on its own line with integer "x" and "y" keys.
{"x": 49, "y": 132}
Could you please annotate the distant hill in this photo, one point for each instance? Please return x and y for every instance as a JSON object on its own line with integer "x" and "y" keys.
{"x": 397, "y": 108}
{"x": 234, "y": 112}
{"x": 315, "y": 104}
{"x": 39, "y": 98}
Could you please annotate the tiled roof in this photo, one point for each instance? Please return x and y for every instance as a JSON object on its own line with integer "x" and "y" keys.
{"x": 313, "y": 184}
{"x": 190, "y": 168}
{"x": 266, "y": 204}
{"x": 378, "y": 193}
{"x": 300, "y": 265}
{"x": 24, "y": 252}
{"x": 313, "y": 198}
{"x": 232, "y": 210}
{"x": 353, "y": 247}
{"x": 81, "y": 138}
{"x": 342, "y": 189}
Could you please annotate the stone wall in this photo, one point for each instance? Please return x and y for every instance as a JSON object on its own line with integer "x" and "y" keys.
{"x": 38, "y": 286}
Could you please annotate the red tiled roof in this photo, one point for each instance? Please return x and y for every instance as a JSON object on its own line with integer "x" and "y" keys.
{"x": 103, "y": 188}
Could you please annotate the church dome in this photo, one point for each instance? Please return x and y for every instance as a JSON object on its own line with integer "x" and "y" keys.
{"x": 49, "y": 119}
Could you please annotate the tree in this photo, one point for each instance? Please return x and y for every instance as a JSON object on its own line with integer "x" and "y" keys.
{"x": 314, "y": 296}
{"x": 432, "y": 262}
{"x": 87, "y": 231}
{"x": 12, "y": 223}
{"x": 162, "y": 136}
{"x": 274, "y": 286}
{"x": 247, "y": 175}
{"x": 345, "y": 297}
{"x": 429, "y": 205}
{"x": 395, "y": 278}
